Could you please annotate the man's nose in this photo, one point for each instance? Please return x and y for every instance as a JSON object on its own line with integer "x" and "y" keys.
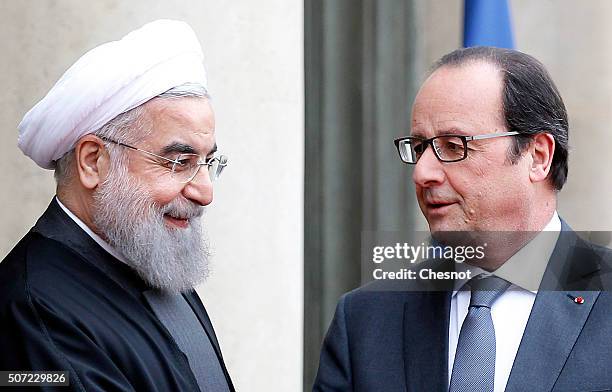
{"x": 428, "y": 171}
{"x": 200, "y": 188}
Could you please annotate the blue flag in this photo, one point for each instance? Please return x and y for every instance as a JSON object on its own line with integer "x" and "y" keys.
{"x": 487, "y": 23}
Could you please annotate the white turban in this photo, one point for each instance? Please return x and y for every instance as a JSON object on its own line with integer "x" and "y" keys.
{"x": 107, "y": 81}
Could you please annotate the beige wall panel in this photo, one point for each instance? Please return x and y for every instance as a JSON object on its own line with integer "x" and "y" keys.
{"x": 254, "y": 57}
{"x": 573, "y": 39}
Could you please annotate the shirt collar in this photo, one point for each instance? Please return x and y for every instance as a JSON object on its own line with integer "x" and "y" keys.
{"x": 105, "y": 245}
{"x": 526, "y": 267}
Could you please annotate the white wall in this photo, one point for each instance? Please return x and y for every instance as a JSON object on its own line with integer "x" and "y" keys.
{"x": 254, "y": 57}
{"x": 573, "y": 39}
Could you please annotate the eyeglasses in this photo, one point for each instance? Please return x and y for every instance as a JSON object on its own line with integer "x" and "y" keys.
{"x": 447, "y": 148}
{"x": 185, "y": 166}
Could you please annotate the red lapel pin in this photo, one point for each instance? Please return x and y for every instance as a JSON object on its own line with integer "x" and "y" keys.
{"x": 578, "y": 300}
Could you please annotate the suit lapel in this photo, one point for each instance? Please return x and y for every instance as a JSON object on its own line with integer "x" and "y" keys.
{"x": 426, "y": 316}
{"x": 556, "y": 320}
{"x": 198, "y": 308}
{"x": 553, "y": 327}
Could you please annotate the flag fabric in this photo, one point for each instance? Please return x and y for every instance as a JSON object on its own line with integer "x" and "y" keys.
{"x": 487, "y": 23}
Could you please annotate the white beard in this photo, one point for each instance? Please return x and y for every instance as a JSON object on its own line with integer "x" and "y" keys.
{"x": 172, "y": 260}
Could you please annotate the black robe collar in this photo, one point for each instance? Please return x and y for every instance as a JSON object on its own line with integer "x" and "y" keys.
{"x": 57, "y": 225}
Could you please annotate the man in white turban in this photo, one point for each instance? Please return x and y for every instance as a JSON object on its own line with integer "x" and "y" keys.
{"x": 102, "y": 287}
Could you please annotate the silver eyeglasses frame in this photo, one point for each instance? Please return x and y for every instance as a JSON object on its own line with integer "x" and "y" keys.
{"x": 209, "y": 163}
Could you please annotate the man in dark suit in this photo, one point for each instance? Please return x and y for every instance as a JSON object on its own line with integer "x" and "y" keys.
{"x": 102, "y": 287}
{"x": 534, "y": 313}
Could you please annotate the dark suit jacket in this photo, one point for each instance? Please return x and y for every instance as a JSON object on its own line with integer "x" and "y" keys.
{"x": 398, "y": 340}
{"x": 66, "y": 304}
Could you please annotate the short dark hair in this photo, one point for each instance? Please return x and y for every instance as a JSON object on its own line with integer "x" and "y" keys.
{"x": 531, "y": 102}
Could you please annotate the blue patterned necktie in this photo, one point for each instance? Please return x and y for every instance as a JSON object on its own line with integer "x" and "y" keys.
{"x": 474, "y": 366}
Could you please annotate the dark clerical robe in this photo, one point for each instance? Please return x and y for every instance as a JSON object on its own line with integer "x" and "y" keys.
{"x": 66, "y": 304}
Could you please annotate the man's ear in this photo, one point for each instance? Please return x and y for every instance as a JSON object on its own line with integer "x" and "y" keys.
{"x": 92, "y": 161}
{"x": 542, "y": 150}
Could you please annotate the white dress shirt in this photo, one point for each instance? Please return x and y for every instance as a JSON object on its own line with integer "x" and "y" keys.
{"x": 511, "y": 310}
{"x": 105, "y": 245}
